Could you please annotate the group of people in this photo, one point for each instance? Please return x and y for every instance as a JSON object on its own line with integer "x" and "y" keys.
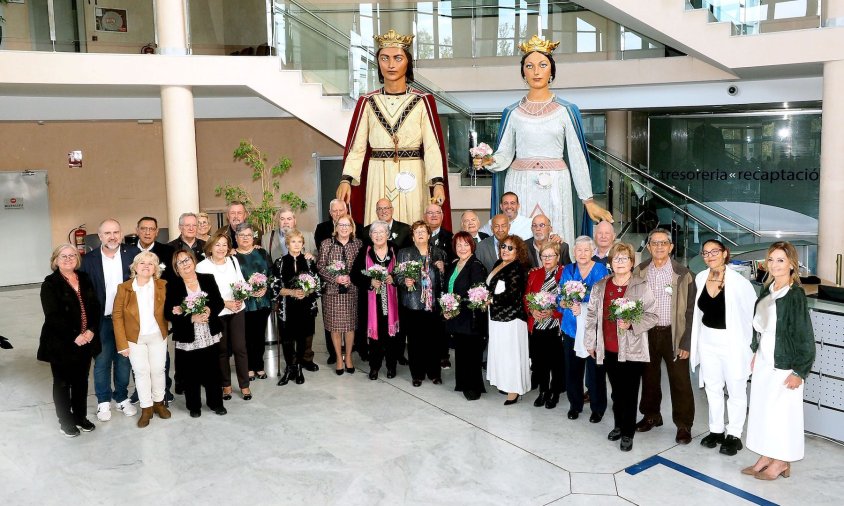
{"x": 508, "y": 289}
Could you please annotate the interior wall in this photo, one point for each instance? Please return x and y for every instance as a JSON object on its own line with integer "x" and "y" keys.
{"x": 123, "y": 165}
{"x": 16, "y": 32}
{"x": 140, "y": 27}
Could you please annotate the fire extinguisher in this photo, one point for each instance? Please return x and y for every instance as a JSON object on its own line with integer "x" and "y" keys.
{"x": 78, "y": 234}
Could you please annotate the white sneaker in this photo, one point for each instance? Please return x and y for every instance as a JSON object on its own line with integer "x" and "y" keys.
{"x": 104, "y": 411}
{"x": 127, "y": 408}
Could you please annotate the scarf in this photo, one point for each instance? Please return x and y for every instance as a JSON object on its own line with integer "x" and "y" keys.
{"x": 427, "y": 292}
{"x": 372, "y": 302}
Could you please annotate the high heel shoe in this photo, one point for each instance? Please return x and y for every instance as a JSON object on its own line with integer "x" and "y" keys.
{"x": 785, "y": 473}
{"x": 227, "y": 396}
{"x": 350, "y": 370}
{"x": 340, "y": 371}
{"x": 751, "y": 470}
{"x": 247, "y": 395}
{"x": 509, "y": 402}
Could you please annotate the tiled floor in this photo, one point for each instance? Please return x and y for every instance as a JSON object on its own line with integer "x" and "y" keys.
{"x": 347, "y": 440}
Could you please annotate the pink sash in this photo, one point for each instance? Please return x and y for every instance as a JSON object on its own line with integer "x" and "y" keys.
{"x": 372, "y": 302}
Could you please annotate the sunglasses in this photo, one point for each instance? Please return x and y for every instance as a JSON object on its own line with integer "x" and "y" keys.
{"x": 508, "y": 247}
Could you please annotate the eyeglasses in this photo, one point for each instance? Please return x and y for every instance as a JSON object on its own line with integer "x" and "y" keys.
{"x": 245, "y": 234}
{"x": 508, "y": 247}
{"x": 343, "y": 225}
{"x": 659, "y": 243}
{"x": 711, "y": 253}
{"x": 548, "y": 257}
{"x": 383, "y": 208}
{"x": 148, "y": 229}
{"x": 67, "y": 257}
{"x": 620, "y": 260}
{"x": 184, "y": 261}
{"x": 538, "y": 225}
{"x": 433, "y": 213}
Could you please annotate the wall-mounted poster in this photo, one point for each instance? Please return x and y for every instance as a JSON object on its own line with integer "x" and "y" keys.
{"x": 111, "y": 20}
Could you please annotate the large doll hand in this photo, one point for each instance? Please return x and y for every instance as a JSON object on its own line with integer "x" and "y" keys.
{"x": 344, "y": 191}
{"x": 596, "y": 212}
{"x": 438, "y": 195}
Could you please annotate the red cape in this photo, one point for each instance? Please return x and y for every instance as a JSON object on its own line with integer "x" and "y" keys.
{"x": 359, "y": 193}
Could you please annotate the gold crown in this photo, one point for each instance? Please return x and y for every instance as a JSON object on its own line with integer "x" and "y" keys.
{"x": 393, "y": 39}
{"x": 537, "y": 44}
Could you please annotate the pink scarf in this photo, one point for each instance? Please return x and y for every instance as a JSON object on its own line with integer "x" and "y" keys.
{"x": 372, "y": 302}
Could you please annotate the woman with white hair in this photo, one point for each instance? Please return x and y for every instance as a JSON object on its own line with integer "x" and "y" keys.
{"x": 586, "y": 270}
{"x": 140, "y": 332}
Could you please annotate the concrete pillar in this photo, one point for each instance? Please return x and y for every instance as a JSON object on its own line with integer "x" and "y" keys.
{"x": 177, "y": 119}
{"x": 830, "y": 232}
{"x": 617, "y": 127}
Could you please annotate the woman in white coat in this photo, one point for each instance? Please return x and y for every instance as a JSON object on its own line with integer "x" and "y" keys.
{"x": 722, "y": 330}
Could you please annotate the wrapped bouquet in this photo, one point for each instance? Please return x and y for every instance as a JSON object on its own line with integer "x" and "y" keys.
{"x": 450, "y": 304}
{"x": 625, "y": 309}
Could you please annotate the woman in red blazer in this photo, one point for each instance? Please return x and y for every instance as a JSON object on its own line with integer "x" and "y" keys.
{"x": 546, "y": 342}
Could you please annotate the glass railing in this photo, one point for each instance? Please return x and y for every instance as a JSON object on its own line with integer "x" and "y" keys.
{"x": 238, "y": 28}
{"x": 752, "y": 17}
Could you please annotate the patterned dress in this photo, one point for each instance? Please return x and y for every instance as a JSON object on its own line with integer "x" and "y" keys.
{"x": 339, "y": 304}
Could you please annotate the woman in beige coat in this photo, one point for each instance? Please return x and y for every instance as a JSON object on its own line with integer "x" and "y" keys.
{"x": 622, "y": 346}
{"x": 140, "y": 332}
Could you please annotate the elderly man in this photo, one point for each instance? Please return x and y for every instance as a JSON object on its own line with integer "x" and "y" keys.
{"x": 673, "y": 287}
{"x": 274, "y": 242}
{"x": 188, "y": 226}
{"x": 399, "y": 233}
{"x": 471, "y": 224}
{"x": 542, "y": 235}
{"x": 336, "y": 210}
{"x": 147, "y": 230}
{"x": 487, "y": 251}
{"x": 236, "y": 214}
{"x": 519, "y": 224}
{"x": 604, "y": 239}
{"x": 108, "y": 267}
{"x": 440, "y": 236}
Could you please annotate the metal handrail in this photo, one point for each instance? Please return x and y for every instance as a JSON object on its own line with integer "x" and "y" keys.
{"x": 441, "y": 97}
{"x": 672, "y": 189}
{"x": 662, "y": 198}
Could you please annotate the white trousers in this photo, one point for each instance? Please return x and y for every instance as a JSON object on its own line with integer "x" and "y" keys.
{"x": 718, "y": 368}
{"x": 148, "y": 357}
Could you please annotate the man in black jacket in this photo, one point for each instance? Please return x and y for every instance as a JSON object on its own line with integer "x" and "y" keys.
{"x": 108, "y": 266}
{"x": 399, "y": 233}
{"x": 440, "y": 237}
{"x": 469, "y": 222}
{"x": 542, "y": 234}
{"x": 188, "y": 226}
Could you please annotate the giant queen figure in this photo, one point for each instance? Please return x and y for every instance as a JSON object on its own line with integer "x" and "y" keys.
{"x": 541, "y": 149}
{"x": 395, "y": 148}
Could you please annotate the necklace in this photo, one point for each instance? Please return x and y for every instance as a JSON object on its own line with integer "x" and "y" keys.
{"x": 532, "y": 108}
{"x": 619, "y": 287}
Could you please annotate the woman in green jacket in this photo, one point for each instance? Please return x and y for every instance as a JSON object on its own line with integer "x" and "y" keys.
{"x": 783, "y": 354}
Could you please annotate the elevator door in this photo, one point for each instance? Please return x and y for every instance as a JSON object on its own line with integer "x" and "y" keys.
{"x": 25, "y": 221}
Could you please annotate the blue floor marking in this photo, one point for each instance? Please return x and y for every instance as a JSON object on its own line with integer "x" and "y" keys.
{"x": 656, "y": 460}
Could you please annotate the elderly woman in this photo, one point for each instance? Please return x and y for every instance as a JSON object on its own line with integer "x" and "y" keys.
{"x": 226, "y": 272}
{"x": 722, "y": 330}
{"x": 140, "y": 332}
{"x": 203, "y": 227}
{"x": 508, "y": 362}
{"x": 297, "y": 308}
{"x": 783, "y": 356}
{"x": 586, "y": 270}
{"x": 339, "y": 304}
{"x": 378, "y": 300}
{"x": 546, "y": 341}
{"x": 469, "y": 326}
{"x": 252, "y": 261}
{"x": 622, "y": 346}
{"x": 67, "y": 340}
{"x": 419, "y": 302}
{"x": 196, "y": 333}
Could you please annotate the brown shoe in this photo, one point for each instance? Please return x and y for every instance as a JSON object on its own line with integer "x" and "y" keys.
{"x": 146, "y": 416}
{"x": 683, "y": 437}
{"x": 649, "y": 423}
{"x": 161, "y": 410}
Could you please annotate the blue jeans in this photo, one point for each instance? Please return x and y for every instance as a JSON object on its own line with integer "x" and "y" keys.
{"x": 110, "y": 362}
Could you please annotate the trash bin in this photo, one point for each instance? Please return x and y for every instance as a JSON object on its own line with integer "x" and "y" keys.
{"x": 271, "y": 346}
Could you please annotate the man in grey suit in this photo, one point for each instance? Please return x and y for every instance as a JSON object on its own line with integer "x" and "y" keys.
{"x": 487, "y": 250}
{"x": 542, "y": 234}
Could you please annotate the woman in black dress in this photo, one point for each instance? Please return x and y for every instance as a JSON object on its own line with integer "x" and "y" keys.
{"x": 296, "y": 307}
{"x": 378, "y": 300}
{"x": 469, "y": 327}
{"x": 68, "y": 342}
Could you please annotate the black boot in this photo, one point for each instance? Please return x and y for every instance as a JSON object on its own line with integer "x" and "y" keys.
{"x": 300, "y": 378}
{"x": 287, "y": 376}
{"x": 540, "y": 399}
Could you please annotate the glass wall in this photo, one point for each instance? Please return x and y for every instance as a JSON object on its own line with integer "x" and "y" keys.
{"x": 752, "y": 17}
{"x": 763, "y": 169}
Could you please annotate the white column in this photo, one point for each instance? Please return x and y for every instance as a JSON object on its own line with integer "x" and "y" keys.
{"x": 617, "y": 127}
{"x": 830, "y": 232}
{"x": 177, "y": 119}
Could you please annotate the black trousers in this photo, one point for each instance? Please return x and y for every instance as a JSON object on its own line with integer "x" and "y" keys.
{"x": 661, "y": 348}
{"x": 256, "y": 328}
{"x": 468, "y": 360}
{"x": 201, "y": 368}
{"x": 70, "y": 389}
{"x": 234, "y": 339}
{"x": 384, "y": 349}
{"x": 596, "y": 380}
{"x": 549, "y": 360}
{"x": 423, "y": 345}
{"x": 624, "y": 379}
{"x": 293, "y": 348}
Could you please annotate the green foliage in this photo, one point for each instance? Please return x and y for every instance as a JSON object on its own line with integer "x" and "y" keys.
{"x": 261, "y": 214}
